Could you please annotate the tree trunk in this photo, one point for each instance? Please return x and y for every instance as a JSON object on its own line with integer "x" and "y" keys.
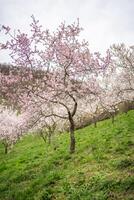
{"x": 95, "y": 124}
{"x": 72, "y": 125}
{"x": 72, "y": 136}
{"x": 112, "y": 119}
{"x": 6, "y": 148}
{"x": 49, "y": 138}
{"x": 43, "y": 137}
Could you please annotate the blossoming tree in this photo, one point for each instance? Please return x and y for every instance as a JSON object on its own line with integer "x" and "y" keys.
{"x": 55, "y": 69}
{"x": 11, "y": 127}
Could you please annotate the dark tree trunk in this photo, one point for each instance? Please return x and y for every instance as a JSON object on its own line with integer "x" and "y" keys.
{"x": 6, "y": 148}
{"x": 49, "y": 138}
{"x": 43, "y": 137}
{"x": 72, "y": 124}
{"x": 72, "y": 141}
{"x": 72, "y": 136}
{"x": 112, "y": 119}
{"x": 95, "y": 124}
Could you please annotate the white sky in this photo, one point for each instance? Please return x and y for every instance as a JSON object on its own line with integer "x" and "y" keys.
{"x": 104, "y": 21}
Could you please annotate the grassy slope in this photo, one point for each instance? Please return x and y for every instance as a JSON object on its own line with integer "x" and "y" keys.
{"x": 102, "y": 167}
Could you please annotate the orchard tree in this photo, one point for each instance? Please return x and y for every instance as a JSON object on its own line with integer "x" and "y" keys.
{"x": 11, "y": 127}
{"x": 54, "y": 68}
{"x": 124, "y": 56}
{"x": 108, "y": 98}
{"x": 123, "y": 60}
{"x": 48, "y": 129}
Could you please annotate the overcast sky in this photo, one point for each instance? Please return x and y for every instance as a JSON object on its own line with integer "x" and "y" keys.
{"x": 104, "y": 21}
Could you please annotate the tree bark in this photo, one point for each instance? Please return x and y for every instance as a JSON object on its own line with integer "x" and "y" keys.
{"x": 43, "y": 137}
{"x": 72, "y": 136}
{"x": 72, "y": 141}
{"x": 72, "y": 124}
{"x": 112, "y": 119}
{"x": 49, "y": 138}
{"x": 6, "y": 148}
{"x": 95, "y": 124}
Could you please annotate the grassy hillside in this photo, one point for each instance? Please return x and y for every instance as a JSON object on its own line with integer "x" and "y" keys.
{"x": 102, "y": 167}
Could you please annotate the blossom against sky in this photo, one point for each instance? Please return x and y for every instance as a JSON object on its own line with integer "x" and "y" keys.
{"x": 104, "y": 21}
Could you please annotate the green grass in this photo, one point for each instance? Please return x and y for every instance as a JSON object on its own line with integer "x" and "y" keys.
{"x": 102, "y": 167}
